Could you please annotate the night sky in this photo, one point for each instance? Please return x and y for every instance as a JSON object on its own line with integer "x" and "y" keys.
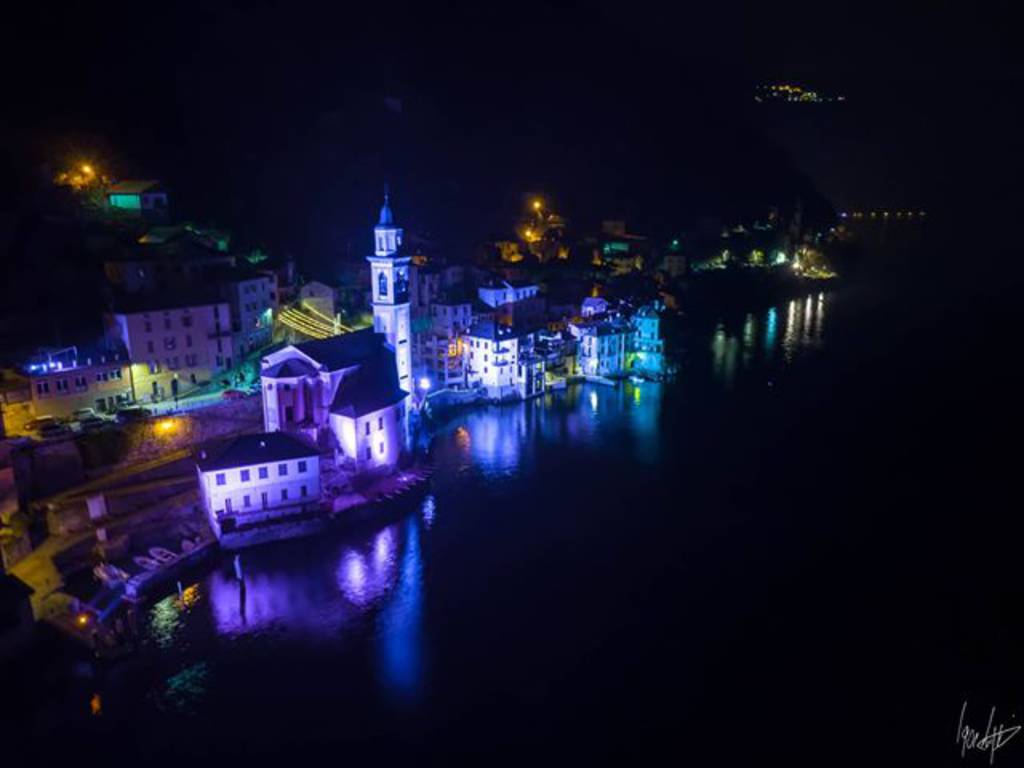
{"x": 284, "y": 123}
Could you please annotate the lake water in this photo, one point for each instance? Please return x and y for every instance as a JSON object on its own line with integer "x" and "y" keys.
{"x": 694, "y": 566}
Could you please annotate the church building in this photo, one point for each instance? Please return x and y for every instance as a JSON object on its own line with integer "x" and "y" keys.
{"x": 349, "y": 393}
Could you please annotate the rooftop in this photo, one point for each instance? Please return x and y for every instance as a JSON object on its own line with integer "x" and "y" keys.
{"x": 48, "y": 361}
{"x": 130, "y": 304}
{"x": 372, "y": 387}
{"x": 246, "y": 450}
{"x": 489, "y": 329}
{"x": 133, "y": 186}
{"x": 293, "y": 368}
{"x": 345, "y": 350}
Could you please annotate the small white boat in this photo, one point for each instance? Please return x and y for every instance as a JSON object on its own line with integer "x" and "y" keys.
{"x": 162, "y": 555}
{"x": 146, "y": 562}
{"x": 109, "y": 574}
{"x": 636, "y": 379}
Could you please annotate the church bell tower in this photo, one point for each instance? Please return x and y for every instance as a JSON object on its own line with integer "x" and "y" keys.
{"x": 389, "y": 284}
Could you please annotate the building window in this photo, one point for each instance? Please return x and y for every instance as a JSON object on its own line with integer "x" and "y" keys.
{"x": 264, "y": 473}
{"x": 367, "y": 427}
{"x": 380, "y": 422}
{"x": 43, "y": 387}
{"x": 245, "y": 475}
{"x": 149, "y": 346}
{"x": 245, "y": 500}
{"x": 284, "y": 494}
{"x": 149, "y": 327}
{"x": 302, "y": 466}
{"x": 282, "y": 470}
{"x": 369, "y": 453}
{"x": 221, "y": 479}
{"x": 382, "y": 285}
{"x": 303, "y": 491}
{"x": 188, "y": 339}
{"x": 380, "y": 449}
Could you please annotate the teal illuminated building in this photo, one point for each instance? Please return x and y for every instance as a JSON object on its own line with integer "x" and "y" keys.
{"x": 648, "y": 353}
{"x": 143, "y": 198}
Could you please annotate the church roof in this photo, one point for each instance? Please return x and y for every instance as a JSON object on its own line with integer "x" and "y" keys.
{"x": 246, "y": 450}
{"x": 372, "y": 387}
{"x": 345, "y": 350}
{"x": 292, "y": 368}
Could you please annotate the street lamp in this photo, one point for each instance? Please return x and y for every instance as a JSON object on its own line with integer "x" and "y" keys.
{"x": 424, "y": 383}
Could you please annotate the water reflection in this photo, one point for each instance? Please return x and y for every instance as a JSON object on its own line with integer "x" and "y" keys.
{"x": 400, "y": 644}
{"x": 803, "y": 329}
{"x": 298, "y": 590}
{"x": 167, "y": 617}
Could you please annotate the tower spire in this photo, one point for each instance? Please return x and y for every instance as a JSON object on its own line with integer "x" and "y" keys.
{"x": 386, "y": 219}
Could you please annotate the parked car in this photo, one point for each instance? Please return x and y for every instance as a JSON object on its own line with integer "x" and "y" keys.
{"x": 83, "y": 413}
{"x": 133, "y": 413}
{"x": 92, "y": 423}
{"x": 233, "y": 394}
{"x": 36, "y": 424}
{"x": 49, "y": 428}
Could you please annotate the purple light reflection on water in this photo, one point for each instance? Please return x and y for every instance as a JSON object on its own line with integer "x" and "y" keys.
{"x": 400, "y": 643}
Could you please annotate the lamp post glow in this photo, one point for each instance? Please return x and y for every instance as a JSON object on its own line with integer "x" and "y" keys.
{"x": 424, "y": 383}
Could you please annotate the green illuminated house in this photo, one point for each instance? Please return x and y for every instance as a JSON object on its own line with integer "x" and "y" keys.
{"x": 144, "y": 198}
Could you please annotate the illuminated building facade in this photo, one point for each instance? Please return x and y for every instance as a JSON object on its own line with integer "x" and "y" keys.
{"x": 319, "y": 298}
{"x": 502, "y": 361}
{"x": 342, "y": 393}
{"x": 602, "y": 347}
{"x": 593, "y": 305}
{"x": 144, "y": 198}
{"x": 439, "y": 348}
{"x": 64, "y": 381}
{"x": 253, "y": 480}
{"x": 252, "y": 299}
{"x": 648, "y": 353}
{"x": 506, "y": 292}
{"x": 389, "y": 286}
{"x": 174, "y": 345}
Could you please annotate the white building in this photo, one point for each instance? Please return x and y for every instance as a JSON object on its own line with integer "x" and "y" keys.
{"x": 174, "y": 344}
{"x": 505, "y": 292}
{"x": 318, "y": 297}
{"x": 602, "y": 347}
{"x": 593, "y": 305}
{"x": 439, "y": 349}
{"x": 63, "y": 381}
{"x": 500, "y": 359}
{"x": 343, "y": 393}
{"x": 252, "y": 298}
{"x": 389, "y": 286}
{"x": 251, "y": 480}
